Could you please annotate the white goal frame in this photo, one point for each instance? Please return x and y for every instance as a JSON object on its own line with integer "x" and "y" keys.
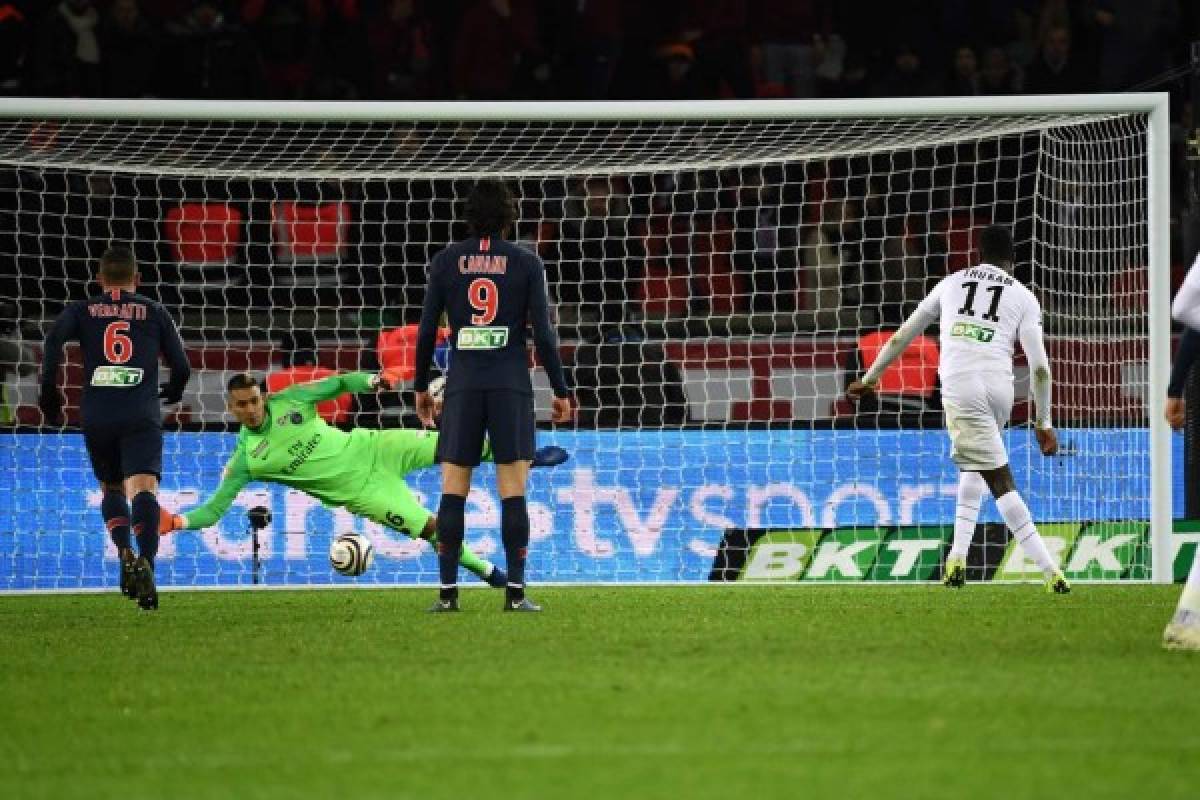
{"x": 1154, "y": 105}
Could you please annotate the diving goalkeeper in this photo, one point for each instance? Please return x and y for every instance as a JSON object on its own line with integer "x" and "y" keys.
{"x": 284, "y": 440}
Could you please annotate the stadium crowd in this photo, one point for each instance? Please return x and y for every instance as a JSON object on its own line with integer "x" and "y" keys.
{"x": 584, "y": 49}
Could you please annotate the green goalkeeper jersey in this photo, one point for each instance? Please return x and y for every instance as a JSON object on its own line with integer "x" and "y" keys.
{"x": 296, "y": 448}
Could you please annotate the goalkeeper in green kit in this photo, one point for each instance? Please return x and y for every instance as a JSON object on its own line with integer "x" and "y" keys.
{"x": 283, "y": 440}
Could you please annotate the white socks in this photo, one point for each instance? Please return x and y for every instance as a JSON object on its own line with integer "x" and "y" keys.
{"x": 1189, "y": 601}
{"x": 1020, "y": 522}
{"x": 971, "y": 487}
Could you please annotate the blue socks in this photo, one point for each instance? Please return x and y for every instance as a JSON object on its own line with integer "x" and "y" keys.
{"x": 144, "y": 517}
{"x": 514, "y": 530}
{"x": 115, "y": 509}
{"x": 450, "y": 532}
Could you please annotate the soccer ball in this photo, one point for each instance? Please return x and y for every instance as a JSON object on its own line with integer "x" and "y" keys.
{"x": 351, "y": 554}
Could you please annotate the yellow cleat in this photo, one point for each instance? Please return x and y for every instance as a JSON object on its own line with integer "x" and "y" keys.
{"x": 1057, "y": 583}
{"x": 954, "y": 576}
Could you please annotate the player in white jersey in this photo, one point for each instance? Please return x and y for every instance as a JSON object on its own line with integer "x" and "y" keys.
{"x": 1183, "y": 631}
{"x": 982, "y": 312}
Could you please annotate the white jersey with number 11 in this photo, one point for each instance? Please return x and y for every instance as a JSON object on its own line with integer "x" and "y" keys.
{"x": 982, "y": 311}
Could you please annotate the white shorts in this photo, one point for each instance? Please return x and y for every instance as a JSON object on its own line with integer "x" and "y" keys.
{"x": 977, "y": 408}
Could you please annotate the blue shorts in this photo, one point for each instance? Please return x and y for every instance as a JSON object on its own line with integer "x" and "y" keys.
{"x": 504, "y": 416}
{"x": 121, "y": 449}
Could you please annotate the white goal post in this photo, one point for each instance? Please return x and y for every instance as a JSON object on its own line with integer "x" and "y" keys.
{"x": 693, "y": 192}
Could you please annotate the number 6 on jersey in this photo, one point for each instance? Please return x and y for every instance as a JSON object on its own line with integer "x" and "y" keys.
{"x": 484, "y": 298}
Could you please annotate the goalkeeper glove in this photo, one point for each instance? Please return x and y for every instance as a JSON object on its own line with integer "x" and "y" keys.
{"x": 388, "y": 379}
{"x": 168, "y": 522}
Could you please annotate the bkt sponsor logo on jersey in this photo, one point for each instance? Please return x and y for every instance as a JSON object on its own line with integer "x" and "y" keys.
{"x": 965, "y": 330}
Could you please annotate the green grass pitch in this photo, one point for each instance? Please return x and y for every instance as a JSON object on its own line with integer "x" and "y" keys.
{"x": 704, "y": 692}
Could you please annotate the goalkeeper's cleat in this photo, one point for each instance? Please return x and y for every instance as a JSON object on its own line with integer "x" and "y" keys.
{"x": 143, "y": 582}
{"x": 1057, "y": 583}
{"x": 955, "y": 573}
{"x": 497, "y": 578}
{"x": 550, "y": 456}
{"x": 128, "y": 562}
{"x": 524, "y": 604}
{"x": 441, "y": 606}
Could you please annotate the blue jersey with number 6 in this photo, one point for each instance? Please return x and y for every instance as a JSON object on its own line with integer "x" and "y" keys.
{"x": 121, "y": 335}
{"x": 490, "y": 290}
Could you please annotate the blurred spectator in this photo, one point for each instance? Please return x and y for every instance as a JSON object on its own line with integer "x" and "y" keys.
{"x": 14, "y": 47}
{"x": 793, "y": 34}
{"x": 1135, "y": 38}
{"x": 130, "y": 45}
{"x": 964, "y": 78}
{"x": 67, "y": 58}
{"x": 821, "y": 260}
{"x": 1023, "y": 47}
{"x": 16, "y": 357}
{"x": 998, "y": 75}
{"x": 496, "y": 40}
{"x": 343, "y": 63}
{"x": 598, "y": 43}
{"x": 721, "y": 38}
{"x": 211, "y": 57}
{"x": 401, "y": 44}
{"x": 907, "y": 76}
{"x": 601, "y": 255}
{"x": 1056, "y": 70}
{"x": 675, "y": 77}
{"x": 765, "y": 239}
{"x": 161, "y": 12}
{"x": 287, "y": 33}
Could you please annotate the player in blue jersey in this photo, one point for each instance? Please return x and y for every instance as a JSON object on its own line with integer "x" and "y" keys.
{"x": 121, "y": 335}
{"x": 490, "y": 290}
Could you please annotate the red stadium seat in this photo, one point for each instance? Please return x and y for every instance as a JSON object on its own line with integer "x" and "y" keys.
{"x": 309, "y": 232}
{"x": 203, "y": 234}
{"x": 334, "y": 411}
{"x": 913, "y": 374}
{"x": 397, "y": 349}
{"x": 664, "y": 295}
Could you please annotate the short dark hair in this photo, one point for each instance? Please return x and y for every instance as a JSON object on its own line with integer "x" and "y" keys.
{"x": 491, "y": 208}
{"x": 242, "y": 380}
{"x": 118, "y": 265}
{"x": 996, "y": 245}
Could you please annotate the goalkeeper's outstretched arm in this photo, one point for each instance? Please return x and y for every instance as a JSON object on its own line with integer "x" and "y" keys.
{"x": 333, "y": 387}
{"x": 237, "y": 475}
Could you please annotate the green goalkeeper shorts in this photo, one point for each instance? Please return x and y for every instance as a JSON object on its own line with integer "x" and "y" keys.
{"x": 387, "y": 498}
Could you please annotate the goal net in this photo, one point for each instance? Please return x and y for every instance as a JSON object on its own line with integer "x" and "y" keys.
{"x": 719, "y": 273}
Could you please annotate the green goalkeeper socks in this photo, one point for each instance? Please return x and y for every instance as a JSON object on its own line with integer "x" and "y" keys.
{"x": 477, "y": 566}
{"x": 474, "y": 563}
